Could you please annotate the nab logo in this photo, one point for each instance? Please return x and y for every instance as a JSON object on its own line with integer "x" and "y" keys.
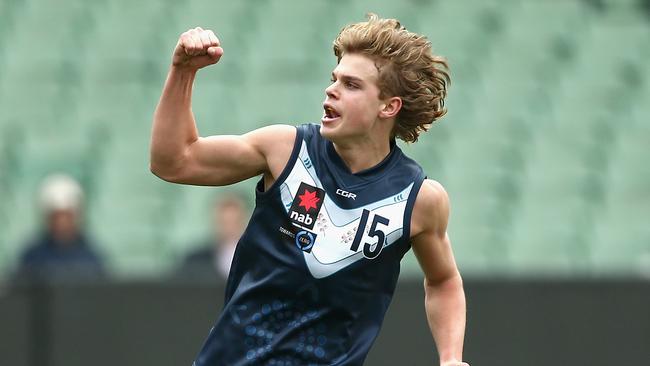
{"x": 304, "y": 219}
{"x": 306, "y": 205}
{"x": 346, "y": 194}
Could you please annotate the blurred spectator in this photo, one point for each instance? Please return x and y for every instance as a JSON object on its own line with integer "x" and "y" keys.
{"x": 61, "y": 251}
{"x": 214, "y": 256}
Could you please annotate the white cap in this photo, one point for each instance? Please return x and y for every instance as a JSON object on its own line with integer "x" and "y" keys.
{"x": 60, "y": 192}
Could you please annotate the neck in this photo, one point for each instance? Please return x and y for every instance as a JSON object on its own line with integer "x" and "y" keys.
{"x": 362, "y": 155}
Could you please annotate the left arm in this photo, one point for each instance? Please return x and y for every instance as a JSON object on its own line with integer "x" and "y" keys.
{"x": 444, "y": 295}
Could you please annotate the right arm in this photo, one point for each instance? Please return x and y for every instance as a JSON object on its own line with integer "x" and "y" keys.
{"x": 178, "y": 154}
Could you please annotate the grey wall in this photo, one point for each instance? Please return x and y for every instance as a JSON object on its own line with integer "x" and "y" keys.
{"x": 509, "y": 323}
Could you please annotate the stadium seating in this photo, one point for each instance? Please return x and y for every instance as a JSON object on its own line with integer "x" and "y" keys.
{"x": 543, "y": 151}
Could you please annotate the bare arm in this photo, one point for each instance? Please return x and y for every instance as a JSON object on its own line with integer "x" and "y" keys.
{"x": 444, "y": 295}
{"x": 178, "y": 154}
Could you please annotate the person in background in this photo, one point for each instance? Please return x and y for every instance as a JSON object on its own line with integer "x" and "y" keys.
{"x": 61, "y": 251}
{"x": 214, "y": 257}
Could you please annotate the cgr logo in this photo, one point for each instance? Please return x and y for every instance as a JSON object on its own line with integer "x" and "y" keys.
{"x": 346, "y": 194}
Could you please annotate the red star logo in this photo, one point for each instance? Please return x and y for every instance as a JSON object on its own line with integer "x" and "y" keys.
{"x": 308, "y": 200}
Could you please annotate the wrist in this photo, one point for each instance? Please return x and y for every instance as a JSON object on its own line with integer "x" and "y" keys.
{"x": 181, "y": 78}
{"x": 454, "y": 363}
{"x": 450, "y": 362}
{"x": 182, "y": 71}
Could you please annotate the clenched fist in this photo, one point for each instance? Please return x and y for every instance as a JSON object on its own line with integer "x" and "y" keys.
{"x": 197, "y": 48}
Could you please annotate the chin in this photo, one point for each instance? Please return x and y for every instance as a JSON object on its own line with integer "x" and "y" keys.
{"x": 327, "y": 131}
{"x": 332, "y": 134}
{"x": 339, "y": 132}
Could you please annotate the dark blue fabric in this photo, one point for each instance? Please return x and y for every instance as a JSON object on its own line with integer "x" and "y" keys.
{"x": 276, "y": 312}
{"x": 47, "y": 259}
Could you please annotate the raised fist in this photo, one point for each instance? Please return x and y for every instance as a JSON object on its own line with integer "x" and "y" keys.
{"x": 197, "y": 48}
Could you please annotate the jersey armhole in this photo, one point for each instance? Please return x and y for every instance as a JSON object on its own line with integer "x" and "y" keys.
{"x": 260, "y": 193}
{"x": 408, "y": 211}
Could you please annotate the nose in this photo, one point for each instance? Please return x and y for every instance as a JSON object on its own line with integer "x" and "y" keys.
{"x": 330, "y": 91}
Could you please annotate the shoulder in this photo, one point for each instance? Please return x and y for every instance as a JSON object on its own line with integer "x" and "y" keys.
{"x": 432, "y": 192}
{"x": 283, "y": 133}
{"x": 273, "y": 135}
{"x": 431, "y": 209}
{"x": 90, "y": 254}
{"x": 33, "y": 249}
{"x": 273, "y": 141}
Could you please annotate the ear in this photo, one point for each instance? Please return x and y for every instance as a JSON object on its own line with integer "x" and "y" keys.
{"x": 390, "y": 107}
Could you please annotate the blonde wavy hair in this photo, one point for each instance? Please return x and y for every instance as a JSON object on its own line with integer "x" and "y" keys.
{"x": 407, "y": 69}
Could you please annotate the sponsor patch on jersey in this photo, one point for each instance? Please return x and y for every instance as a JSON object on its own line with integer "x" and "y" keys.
{"x": 304, "y": 239}
{"x": 306, "y": 205}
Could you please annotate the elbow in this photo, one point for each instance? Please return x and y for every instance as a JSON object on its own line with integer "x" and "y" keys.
{"x": 169, "y": 165}
{"x": 166, "y": 172}
{"x": 158, "y": 171}
{"x": 451, "y": 281}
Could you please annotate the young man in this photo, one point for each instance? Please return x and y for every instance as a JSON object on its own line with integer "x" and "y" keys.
{"x": 337, "y": 206}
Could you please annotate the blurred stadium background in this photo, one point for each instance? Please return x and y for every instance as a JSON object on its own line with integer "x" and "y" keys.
{"x": 544, "y": 151}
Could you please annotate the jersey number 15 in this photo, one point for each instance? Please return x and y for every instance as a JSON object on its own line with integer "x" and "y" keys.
{"x": 368, "y": 250}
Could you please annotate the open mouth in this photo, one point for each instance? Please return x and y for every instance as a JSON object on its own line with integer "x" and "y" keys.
{"x": 330, "y": 113}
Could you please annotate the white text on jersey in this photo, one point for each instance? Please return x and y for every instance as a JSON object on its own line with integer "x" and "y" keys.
{"x": 346, "y": 194}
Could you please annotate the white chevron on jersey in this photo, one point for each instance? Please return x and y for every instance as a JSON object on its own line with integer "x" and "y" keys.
{"x": 336, "y": 227}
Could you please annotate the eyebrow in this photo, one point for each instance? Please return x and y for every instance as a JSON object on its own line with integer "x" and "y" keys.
{"x": 348, "y": 78}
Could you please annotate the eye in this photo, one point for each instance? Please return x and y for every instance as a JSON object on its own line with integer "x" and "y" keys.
{"x": 350, "y": 85}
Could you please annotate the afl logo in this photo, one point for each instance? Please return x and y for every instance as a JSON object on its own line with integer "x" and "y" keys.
{"x": 305, "y": 240}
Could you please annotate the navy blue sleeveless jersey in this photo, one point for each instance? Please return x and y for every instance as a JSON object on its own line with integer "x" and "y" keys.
{"x": 315, "y": 270}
